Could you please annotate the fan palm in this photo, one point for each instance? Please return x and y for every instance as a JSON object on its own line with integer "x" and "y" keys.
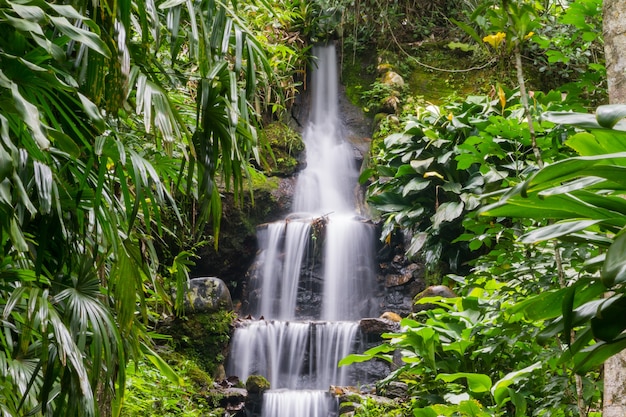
{"x": 82, "y": 183}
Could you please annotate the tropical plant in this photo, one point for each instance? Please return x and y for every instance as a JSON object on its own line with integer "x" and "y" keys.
{"x": 92, "y": 148}
{"x": 583, "y": 198}
{"x": 427, "y": 178}
{"x": 475, "y": 355}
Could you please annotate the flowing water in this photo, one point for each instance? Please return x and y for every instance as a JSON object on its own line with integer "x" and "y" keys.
{"x": 298, "y": 353}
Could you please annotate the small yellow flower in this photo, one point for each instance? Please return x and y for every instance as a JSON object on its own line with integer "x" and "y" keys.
{"x": 530, "y": 34}
{"x": 450, "y": 117}
{"x": 495, "y": 40}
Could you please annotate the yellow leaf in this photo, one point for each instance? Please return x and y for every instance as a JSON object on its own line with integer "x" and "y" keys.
{"x": 433, "y": 174}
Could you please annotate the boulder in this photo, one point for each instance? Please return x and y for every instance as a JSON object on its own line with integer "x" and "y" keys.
{"x": 257, "y": 384}
{"x": 432, "y": 291}
{"x": 378, "y": 326}
{"x": 392, "y": 78}
{"x": 207, "y": 295}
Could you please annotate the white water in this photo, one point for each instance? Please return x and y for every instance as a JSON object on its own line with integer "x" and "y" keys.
{"x": 278, "y": 350}
{"x": 282, "y": 273}
{"x": 296, "y": 404}
{"x": 327, "y": 184}
{"x": 274, "y": 349}
{"x": 298, "y": 356}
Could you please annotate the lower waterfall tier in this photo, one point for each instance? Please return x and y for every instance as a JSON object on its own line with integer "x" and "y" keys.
{"x": 294, "y": 355}
{"x": 278, "y": 403}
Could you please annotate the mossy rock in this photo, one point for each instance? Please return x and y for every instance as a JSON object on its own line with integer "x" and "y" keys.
{"x": 257, "y": 384}
{"x": 203, "y": 337}
{"x": 207, "y": 295}
{"x": 287, "y": 145}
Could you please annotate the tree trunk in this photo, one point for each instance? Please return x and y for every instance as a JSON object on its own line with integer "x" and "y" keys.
{"x": 614, "y": 31}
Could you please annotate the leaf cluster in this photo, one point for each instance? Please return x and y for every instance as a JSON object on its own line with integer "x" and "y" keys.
{"x": 582, "y": 196}
{"x": 428, "y": 178}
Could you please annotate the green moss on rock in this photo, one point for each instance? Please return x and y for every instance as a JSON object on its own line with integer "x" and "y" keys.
{"x": 257, "y": 384}
{"x": 286, "y": 146}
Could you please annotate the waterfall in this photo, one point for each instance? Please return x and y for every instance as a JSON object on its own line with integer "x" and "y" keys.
{"x": 296, "y": 404}
{"x": 315, "y": 277}
{"x": 281, "y": 270}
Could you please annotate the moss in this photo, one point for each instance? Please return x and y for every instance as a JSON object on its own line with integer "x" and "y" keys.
{"x": 357, "y": 76}
{"x": 202, "y": 337}
{"x": 286, "y": 146}
{"x": 257, "y": 384}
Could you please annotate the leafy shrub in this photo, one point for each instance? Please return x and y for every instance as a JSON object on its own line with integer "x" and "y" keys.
{"x": 429, "y": 177}
{"x": 478, "y": 354}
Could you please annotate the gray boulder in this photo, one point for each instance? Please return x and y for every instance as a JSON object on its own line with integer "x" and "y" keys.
{"x": 206, "y": 295}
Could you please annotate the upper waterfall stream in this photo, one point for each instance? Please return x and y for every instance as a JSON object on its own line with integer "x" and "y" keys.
{"x": 316, "y": 275}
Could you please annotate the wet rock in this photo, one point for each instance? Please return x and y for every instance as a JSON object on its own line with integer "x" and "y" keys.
{"x": 432, "y": 291}
{"x": 377, "y": 326}
{"x": 390, "y": 315}
{"x": 257, "y": 384}
{"x": 206, "y": 295}
{"x": 394, "y": 389}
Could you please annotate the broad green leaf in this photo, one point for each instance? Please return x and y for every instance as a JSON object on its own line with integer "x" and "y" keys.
{"x": 162, "y": 365}
{"x": 519, "y": 401}
{"x": 420, "y": 165}
{"x": 92, "y": 111}
{"x": 582, "y": 120}
{"x": 90, "y": 39}
{"x": 417, "y": 242}
{"x": 567, "y": 169}
{"x": 557, "y": 230}
{"x": 17, "y": 237}
{"x": 552, "y": 207}
{"x": 447, "y": 212}
{"x": 365, "y": 175}
{"x": 171, "y": 3}
{"x": 598, "y": 142}
{"x": 475, "y": 382}
{"x": 375, "y": 352}
{"x": 574, "y": 185}
{"x": 472, "y": 408}
{"x": 32, "y": 13}
{"x": 416, "y": 184}
{"x": 581, "y": 315}
{"x": 614, "y": 269}
{"x": 500, "y": 389}
{"x": 595, "y": 355}
{"x": 609, "y": 115}
{"x": 608, "y": 323}
{"x": 425, "y": 412}
{"x": 29, "y": 114}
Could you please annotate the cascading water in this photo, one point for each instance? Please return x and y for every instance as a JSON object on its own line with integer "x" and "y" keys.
{"x": 297, "y": 352}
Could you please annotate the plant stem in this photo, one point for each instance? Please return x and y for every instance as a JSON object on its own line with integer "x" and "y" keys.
{"x": 580, "y": 400}
{"x": 524, "y": 97}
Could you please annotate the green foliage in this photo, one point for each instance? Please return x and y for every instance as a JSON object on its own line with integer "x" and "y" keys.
{"x": 582, "y": 196}
{"x": 571, "y": 48}
{"x": 148, "y": 394}
{"x": 102, "y": 130}
{"x": 478, "y": 353}
{"x": 370, "y": 407}
{"x": 286, "y": 146}
{"x": 427, "y": 178}
{"x": 203, "y": 336}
